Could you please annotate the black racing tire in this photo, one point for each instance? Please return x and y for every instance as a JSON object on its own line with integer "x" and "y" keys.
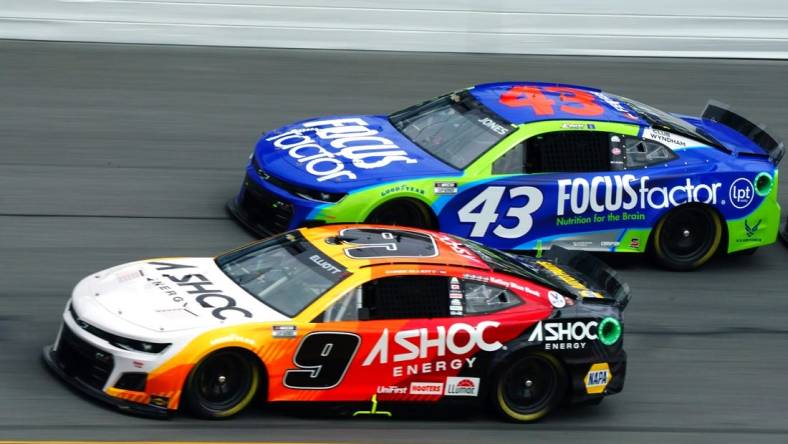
{"x": 529, "y": 387}
{"x": 404, "y": 213}
{"x": 784, "y": 232}
{"x": 687, "y": 237}
{"x": 222, "y": 384}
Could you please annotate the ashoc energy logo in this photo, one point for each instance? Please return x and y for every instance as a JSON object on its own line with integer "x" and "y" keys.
{"x": 564, "y": 335}
{"x": 462, "y": 386}
{"x": 741, "y": 193}
{"x": 350, "y": 139}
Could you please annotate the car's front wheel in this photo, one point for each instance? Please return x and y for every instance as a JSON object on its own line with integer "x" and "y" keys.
{"x": 529, "y": 387}
{"x": 403, "y": 212}
{"x": 687, "y": 237}
{"x": 222, "y": 384}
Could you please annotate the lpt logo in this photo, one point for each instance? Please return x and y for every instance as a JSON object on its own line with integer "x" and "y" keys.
{"x": 741, "y": 193}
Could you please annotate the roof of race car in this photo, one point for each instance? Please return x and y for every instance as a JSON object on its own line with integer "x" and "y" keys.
{"x": 526, "y": 102}
{"x": 356, "y": 246}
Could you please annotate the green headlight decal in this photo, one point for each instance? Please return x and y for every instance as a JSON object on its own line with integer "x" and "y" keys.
{"x": 763, "y": 184}
{"x": 609, "y": 331}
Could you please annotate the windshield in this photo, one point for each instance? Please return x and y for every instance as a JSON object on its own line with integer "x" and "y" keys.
{"x": 285, "y": 272}
{"x": 666, "y": 121}
{"x": 507, "y": 263}
{"x": 456, "y": 129}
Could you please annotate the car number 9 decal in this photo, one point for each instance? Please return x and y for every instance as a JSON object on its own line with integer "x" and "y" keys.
{"x": 322, "y": 359}
{"x": 482, "y": 211}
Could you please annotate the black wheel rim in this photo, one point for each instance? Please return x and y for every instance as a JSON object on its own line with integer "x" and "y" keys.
{"x": 404, "y": 214}
{"x": 530, "y": 385}
{"x": 687, "y": 235}
{"x": 223, "y": 380}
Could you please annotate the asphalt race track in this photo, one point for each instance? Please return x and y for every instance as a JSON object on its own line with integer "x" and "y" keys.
{"x": 112, "y": 153}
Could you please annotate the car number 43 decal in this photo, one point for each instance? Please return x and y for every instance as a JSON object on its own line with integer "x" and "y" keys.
{"x": 483, "y": 211}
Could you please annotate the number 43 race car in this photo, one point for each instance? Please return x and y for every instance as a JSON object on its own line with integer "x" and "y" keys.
{"x": 347, "y": 314}
{"x": 524, "y": 166}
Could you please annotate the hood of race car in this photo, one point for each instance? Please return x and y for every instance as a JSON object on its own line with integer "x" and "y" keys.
{"x": 343, "y": 153}
{"x": 167, "y": 295}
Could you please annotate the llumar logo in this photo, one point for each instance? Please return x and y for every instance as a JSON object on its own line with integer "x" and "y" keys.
{"x": 350, "y": 139}
{"x": 621, "y": 192}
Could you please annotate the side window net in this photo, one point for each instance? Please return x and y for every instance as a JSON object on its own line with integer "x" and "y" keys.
{"x": 400, "y": 297}
{"x": 407, "y": 297}
{"x": 568, "y": 151}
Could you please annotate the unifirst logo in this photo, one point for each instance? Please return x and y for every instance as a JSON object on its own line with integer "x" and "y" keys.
{"x": 614, "y": 193}
{"x": 351, "y": 138}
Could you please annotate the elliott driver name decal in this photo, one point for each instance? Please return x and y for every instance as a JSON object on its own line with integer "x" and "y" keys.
{"x": 351, "y": 139}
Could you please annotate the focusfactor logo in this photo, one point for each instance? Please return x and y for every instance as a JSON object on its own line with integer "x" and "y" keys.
{"x": 349, "y": 139}
{"x": 627, "y": 192}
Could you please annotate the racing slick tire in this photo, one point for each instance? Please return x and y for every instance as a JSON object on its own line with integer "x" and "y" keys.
{"x": 221, "y": 385}
{"x": 784, "y": 232}
{"x": 529, "y": 387}
{"x": 687, "y": 237}
{"x": 405, "y": 213}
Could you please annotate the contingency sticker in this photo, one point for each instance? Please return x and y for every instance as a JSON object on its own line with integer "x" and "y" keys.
{"x": 597, "y": 378}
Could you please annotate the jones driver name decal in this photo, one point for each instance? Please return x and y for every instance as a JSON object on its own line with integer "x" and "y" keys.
{"x": 349, "y": 139}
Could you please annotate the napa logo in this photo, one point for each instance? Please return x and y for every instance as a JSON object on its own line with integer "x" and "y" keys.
{"x": 597, "y": 378}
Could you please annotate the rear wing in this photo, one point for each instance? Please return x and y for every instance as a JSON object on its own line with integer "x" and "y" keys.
{"x": 720, "y": 112}
{"x": 596, "y": 274}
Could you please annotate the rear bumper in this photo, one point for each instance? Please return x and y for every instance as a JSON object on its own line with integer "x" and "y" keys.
{"x": 581, "y": 393}
{"x": 50, "y": 359}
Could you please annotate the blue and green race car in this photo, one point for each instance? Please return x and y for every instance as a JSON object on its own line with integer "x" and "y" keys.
{"x": 525, "y": 166}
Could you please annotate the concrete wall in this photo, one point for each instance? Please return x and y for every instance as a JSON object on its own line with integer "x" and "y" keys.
{"x": 709, "y": 28}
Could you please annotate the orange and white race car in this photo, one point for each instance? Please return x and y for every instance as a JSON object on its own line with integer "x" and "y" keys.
{"x": 346, "y": 314}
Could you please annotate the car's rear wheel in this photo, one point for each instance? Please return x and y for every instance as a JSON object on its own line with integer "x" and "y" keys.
{"x": 222, "y": 384}
{"x": 529, "y": 387}
{"x": 403, "y": 212}
{"x": 687, "y": 237}
{"x": 784, "y": 232}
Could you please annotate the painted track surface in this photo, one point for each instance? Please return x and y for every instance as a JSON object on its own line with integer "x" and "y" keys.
{"x": 112, "y": 153}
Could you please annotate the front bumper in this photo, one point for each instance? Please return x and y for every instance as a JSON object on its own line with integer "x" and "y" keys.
{"x": 266, "y": 209}
{"x": 50, "y": 359}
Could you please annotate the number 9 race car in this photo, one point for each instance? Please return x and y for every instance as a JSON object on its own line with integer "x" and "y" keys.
{"x": 346, "y": 314}
{"x": 524, "y": 166}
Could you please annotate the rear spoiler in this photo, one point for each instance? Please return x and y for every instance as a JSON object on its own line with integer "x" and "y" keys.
{"x": 720, "y": 112}
{"x": 597, "y": 274}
